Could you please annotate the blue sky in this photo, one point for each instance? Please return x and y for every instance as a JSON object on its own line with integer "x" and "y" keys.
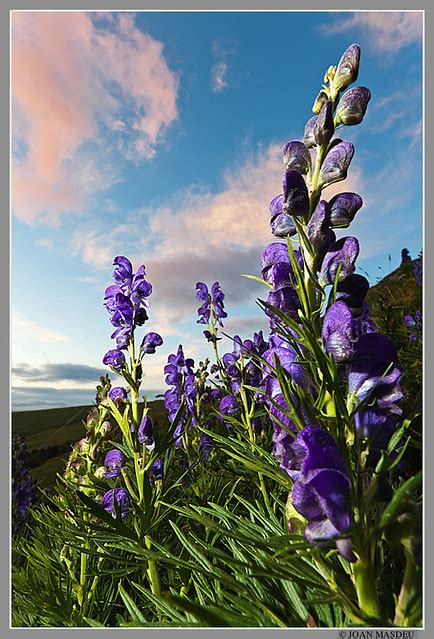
{"x": 157, "y": 135}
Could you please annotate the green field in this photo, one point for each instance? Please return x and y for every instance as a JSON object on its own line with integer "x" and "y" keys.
{"x": 50, "y": 434}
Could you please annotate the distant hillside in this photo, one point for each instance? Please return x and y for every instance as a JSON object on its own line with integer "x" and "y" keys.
{"x": 50, "y": 434}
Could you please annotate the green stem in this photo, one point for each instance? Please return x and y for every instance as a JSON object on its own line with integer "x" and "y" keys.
{"x": 406, "y": 591}
{"x": 364, "y": 580}
{"x": 154, "y": 577}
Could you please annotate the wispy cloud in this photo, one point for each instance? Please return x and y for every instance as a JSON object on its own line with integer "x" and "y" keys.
{"x": 23, "y": 327}
{"x": 218, "y": 76}
{"x": 82, "y": 86}
{"x": 58, "y": 372}
{"x": 388, "y": 31}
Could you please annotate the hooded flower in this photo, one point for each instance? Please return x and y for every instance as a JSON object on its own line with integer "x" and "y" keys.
{"x": 343, "y": 254}
{"x": 144, "y": 433}
{"x": 336, "y": 163}
{"x": 296, "y": 156}
{"x": 114, "y": 358}
{"x": 347, "y": 70}
{"x": 343, "y": 207}
{"x": 150, "y": 342}
{"x": 114, "y": 462}
{"x": 340, "y": 332}
{"x": 118, "y": 395}
{"x": 352, "y": 106}
{"x": 118, "y": 496}
{"x": 295, "y": 193}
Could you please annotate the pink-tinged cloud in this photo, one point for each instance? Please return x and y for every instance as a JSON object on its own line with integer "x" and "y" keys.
{"x": 388, "y": 31}
{"x": 72, "y": 77}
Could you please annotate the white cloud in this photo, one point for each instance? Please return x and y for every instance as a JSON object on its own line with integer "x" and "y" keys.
{"x": 218, "y": 76}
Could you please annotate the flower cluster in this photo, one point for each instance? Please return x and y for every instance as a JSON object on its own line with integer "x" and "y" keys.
{"x": 414, "y": 324}
{"x": 126, "y": 302}
{"x": 212, "y": 303}
{"x": 180, "y": 377}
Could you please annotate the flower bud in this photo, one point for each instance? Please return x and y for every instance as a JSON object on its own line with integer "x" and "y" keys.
{"x": 296, "y": 156}
{"x": 343, "y": 208}
{"x": 319, "y": 101}
{"x": 295, "y": 193}
{"x": 336, "y": 163}
{"x": 309, "y": 138}
{"x": 348, "y": 68}
{"x": 324, "y": 126}
{"x": 352, "y": 106}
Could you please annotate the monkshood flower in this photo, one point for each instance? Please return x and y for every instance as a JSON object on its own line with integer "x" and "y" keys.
{"x": 340, "y": 332}
{"x": 347, "y": 70}
{"x": 123, "y": 272}
{"x": 118, "y": 395}
{"x": 228, "y": 405}
{"x": 145, "y": 433}
{"x": 296, "y": 156}
{"x": 343, "y": 208}
{"x": 352, "y": 106}
{"x": 375, "y": 426}
{"x": 336, "y": 163}
{"x": 115, "y": 359}
{"x": 212, "y": 303}
{"x": 281, "y": 223}
{"x": 374, "y": 372}
{"x": 206, "y": 445}
{"x": 277, "y": 270}
{"x": 286, "y": 356}
{"x": 114, "y": 462}
{"x": 118, "y": 496}
{"x": 156, "y": 472}
{"x": 319, "y": 232}
{"x": 295, "y": 193}
{"x": 150, "y": 342}
{"x": 343, "y": 254}
{"x": 321, "y": 491}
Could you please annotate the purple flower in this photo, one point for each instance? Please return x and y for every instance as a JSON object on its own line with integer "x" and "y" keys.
{"x": 295, "y": 193}
{"x": 206, "y": 445}
{"x": 348, "y": 68}
{"x": 374, "y": 372}
{"x": 118, "y": 495}
{"x": 283, "y": 225}
{"x": 180, "y": 376}
{"x": 354, "y": 285}
{"x": 150, "y": 342}
{"x": 321, "y": 491}
{"x": 212, "y": 303}
{"x": 376, "y": 426}
{"x": 318, "y": 231}
{"x": 340, "y": 332}
{"x": 114, "y": 462}
{"x": 336, "y": 163}
{"x": 342, "y": 253}
{"x": 144, "y": 434}
{"x": 115, "y": 359}
{"x": 296, "y": 156}
{"x": 287, "y": 358}
{"x": 286, "y": 300}
{"x": 343, "y": 208}
{"x": 156, "y": 472}
{"x": 273, "y": 253}
{"x": 352, "y": 106}
{"x": 324, "y": 126}
{"x": 229, "y": 405}
{"x": 123, "y": 272}
{"x": 118, "y": 395}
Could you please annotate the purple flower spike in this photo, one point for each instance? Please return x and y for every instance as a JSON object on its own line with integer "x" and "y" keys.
{"x": 118, "y": 495}
{"x": 336, "y": 163}
{"x": 115, "y": 359}
{"x": 144, "y": 434}
{"x": 283, "y": 225}
{"x": 118, "y": 395}
{"x": 295, "y": 193}
{"x": 352, "y": 106}
{"x": 342, "y": 253}
{"x": 348, "y": 68}
{"x": 324, "y": 126}
{"x": 340, "y": 332}
{"x": 296, "y": 156}
{"x": 309, "y": 135}
{"x": 343, "y": 208}
{"x": 114, "y": 462}
{"x": 318, "y": 231}
{"x": 150, "y": 342}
